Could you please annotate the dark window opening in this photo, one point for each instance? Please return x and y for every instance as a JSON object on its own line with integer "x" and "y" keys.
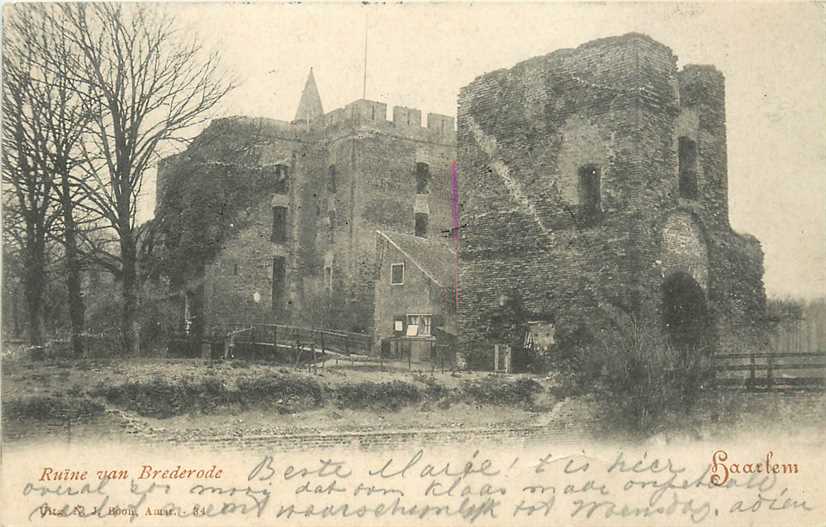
{"x": 372, "y": 113}
{"x": 328, "y": 278}
{"x": 279, "y": 224}
{"x": 281, "y": 179}
{"x": 235, "y": 269}
{"x": 422, "y": 178}
{"x": 279, "y": 283}
{"x": 331, "y": 180}
{"x": 421, "y": 224}
{"x": 688, "y": 168}
{"x": 588, "y": 190}
{"x": 397, "y": 274}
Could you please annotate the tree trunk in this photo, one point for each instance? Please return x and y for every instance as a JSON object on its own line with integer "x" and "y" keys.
{"x": 129, "y": 320}
{"x": 77, "y": 310}
{"x": 35, "y": 287}
{"x": 15, "y": 311}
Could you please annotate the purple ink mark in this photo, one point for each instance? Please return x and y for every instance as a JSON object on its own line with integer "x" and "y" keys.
{"x": 454, "y": 200}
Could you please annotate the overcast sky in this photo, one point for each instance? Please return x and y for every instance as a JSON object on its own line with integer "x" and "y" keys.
{"x": 419, "y": 55}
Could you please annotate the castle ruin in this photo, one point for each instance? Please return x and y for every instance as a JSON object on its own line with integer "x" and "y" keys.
{"x": 594, "y": 190}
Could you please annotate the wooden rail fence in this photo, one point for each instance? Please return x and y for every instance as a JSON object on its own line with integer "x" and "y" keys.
{"x": 771, "y": 371}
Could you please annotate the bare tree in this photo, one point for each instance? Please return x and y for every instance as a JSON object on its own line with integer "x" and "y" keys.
{"x": 63, "y": 118}
{"x": 144, "y": 87}
{"x": 29, "y": 214}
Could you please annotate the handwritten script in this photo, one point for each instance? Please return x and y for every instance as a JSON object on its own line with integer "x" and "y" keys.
{"x": 474, "y": 487}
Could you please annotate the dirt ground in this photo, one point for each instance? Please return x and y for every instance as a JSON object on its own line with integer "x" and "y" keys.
{"x": 351, "y": 398}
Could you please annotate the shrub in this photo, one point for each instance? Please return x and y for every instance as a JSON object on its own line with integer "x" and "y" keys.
{"x": 290, "y": 393}
{"x": 645, "y": 382}
{"x": 162, "y": 398}
{"x": 385, "y": 395}
{"x": 435, "y": 390}
{"x": 47, "y": 408}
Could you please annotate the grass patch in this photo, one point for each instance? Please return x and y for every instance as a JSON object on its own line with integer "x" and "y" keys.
{"x": 499, "y": 391}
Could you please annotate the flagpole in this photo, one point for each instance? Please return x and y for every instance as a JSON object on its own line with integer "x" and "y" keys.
{"x": 364, "y": 86}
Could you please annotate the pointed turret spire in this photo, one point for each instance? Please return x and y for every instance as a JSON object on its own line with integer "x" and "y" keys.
{"x": 309, "y": 107}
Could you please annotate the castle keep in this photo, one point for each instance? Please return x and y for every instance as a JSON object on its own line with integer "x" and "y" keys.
{"x": 594, "y": 194}
{"x": 306, "y": 253}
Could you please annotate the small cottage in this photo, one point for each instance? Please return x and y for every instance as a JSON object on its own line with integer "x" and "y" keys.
{"x": 415, "y": 299}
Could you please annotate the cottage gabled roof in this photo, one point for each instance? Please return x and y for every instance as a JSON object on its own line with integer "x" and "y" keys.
{"x": 434, "y": 258}
{"x": 309, "y": 107}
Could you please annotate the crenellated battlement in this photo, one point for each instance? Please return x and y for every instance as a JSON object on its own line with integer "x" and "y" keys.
{"x": 405, "y": 121}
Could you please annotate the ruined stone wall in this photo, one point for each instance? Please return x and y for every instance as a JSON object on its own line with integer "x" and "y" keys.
{"x": 617, "y": 105}
{"x": 524, "y": 134}
{"x": 222, "y": 287}
{"x": 330, "y": 246}
{"x": 736, "y": 292}
{"x": 243, "y": 269}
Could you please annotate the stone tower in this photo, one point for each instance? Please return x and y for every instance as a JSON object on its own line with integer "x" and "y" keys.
{"x": 594, "y": 190}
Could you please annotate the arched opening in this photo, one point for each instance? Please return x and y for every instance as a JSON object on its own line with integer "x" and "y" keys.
{"x": 685, "y": 314}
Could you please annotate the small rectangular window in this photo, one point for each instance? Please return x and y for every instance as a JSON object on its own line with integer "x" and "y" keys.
{"x": 281, "y": 179}
{"x": 279, "y": 283}
{"x": 421, "y": 323}
{"x": 397, "y": 273}
{"x": 421, "y": 224}
{"x": 279, "y": 224}
{"x": 688, "y": 168}
{"x": 332, "y": 226}
{"x": 422, "y": 178}
{"x": 331, "y": 180}
{"x": 328, "y": 278}
{"x": 588, "y": 190}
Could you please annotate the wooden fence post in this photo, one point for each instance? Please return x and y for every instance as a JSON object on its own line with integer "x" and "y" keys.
{"x": 315, "y": 338}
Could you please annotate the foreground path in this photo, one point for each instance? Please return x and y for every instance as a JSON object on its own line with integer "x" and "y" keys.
{"x": 566, "y": 423}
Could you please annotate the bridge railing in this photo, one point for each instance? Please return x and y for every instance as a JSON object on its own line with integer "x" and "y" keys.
{"x": 292, "y": 344}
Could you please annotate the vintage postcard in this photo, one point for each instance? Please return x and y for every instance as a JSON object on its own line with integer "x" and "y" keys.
{"x": 413, "y": 264}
